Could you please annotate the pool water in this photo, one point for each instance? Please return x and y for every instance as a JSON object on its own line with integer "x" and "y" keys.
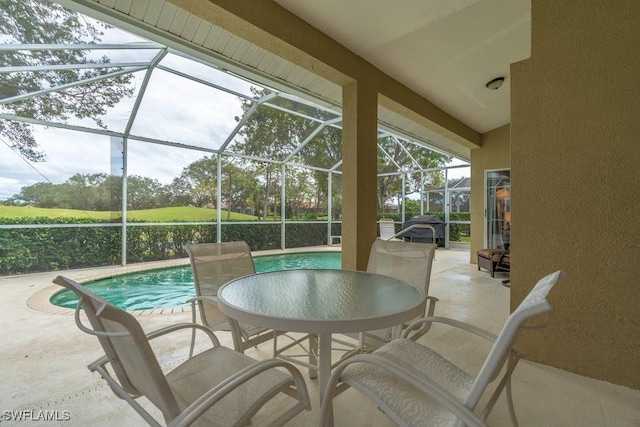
{"x": 171, "y": 287}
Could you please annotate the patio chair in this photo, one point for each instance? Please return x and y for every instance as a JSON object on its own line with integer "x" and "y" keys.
{"x": 407, "y": 261}
{"x": 218, "y": 386}
{"x": 387, "y": 228}
{"x": 414, "y": 385}
{"x": 213, "y": 265}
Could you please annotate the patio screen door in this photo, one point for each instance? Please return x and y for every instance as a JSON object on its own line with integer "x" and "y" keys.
{"x": 498, "y": 208}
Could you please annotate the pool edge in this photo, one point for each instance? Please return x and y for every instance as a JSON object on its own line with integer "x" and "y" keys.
{"x": 40, "y": 300}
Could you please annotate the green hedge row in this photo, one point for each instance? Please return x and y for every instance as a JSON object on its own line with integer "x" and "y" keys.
{"x": 30, "y": 250}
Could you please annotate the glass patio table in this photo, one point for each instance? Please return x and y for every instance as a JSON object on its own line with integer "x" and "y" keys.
{"x": 321, "y": 302}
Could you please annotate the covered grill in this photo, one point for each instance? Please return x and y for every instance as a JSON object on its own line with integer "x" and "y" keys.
{"x": 425, "y": 234}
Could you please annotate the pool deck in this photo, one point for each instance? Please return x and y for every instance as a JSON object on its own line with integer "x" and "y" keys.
{"x": 44, "y": 357}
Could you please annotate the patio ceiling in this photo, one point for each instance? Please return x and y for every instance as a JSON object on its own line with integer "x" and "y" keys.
{"x": 444, "y": 50}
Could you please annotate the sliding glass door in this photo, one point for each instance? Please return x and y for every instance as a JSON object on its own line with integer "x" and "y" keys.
{"x": 498, "y": 208}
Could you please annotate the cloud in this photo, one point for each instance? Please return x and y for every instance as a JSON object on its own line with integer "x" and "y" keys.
{"x": 173, "y": 109}
{"x": 159, "y": 162}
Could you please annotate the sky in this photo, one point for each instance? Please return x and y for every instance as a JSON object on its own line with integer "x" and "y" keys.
{"x": 173, "y": 109}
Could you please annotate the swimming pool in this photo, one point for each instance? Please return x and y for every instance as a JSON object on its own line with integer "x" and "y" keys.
{"x": 171, "y": 287}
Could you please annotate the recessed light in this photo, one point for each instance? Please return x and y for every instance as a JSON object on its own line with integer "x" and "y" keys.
{"x": 495, "y": 83}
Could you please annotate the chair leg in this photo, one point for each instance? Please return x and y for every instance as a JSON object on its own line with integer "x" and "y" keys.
{"x": 505, "y": 383}
{"x": 512, "y": 411}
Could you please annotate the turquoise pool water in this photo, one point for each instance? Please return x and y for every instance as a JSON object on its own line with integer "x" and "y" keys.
{"x": 171, "y": 287}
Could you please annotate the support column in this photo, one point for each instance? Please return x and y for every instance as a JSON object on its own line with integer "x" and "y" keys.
{"x": 359, "y": 173}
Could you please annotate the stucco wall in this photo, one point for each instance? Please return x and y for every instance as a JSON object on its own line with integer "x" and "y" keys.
{"x": 575, "y": 145}
{"x": 494, "y": 154}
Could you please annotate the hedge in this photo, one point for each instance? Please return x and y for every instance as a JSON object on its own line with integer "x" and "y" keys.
{"x": 30, "y": 250}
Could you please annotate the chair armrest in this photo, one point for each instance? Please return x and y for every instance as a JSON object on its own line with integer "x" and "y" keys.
{"x": 460, "y": 325}
{"x": 209, "y": 298}
{"x": 237, "y": 332}
{"x": 430, "y": 306}
{"x": 204, "y": 402}
{"x": 451, "y": 322}
{"x": 103, "y": 360}
{"x": 194, "y": 328}
{"x": 504, "y": 263}
{"x": 192, "y": 301}
{"x": 421, "y": 382}
{"x": 180, "y": 326}
{"x": 99, "y": 365}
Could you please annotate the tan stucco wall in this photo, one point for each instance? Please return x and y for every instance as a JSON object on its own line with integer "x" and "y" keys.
{"x": 575, "y": 145}
{"x": 360, "y": 153}
{"x": 494, "y": 154}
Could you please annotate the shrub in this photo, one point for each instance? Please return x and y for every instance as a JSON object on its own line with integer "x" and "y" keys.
{"x": 30, "y": 250}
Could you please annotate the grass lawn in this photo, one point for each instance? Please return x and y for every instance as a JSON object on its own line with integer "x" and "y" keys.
{"x": 170, "y": 214}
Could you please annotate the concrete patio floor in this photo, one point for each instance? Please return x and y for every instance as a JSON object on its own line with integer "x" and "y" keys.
{"x": 44, "y": 358}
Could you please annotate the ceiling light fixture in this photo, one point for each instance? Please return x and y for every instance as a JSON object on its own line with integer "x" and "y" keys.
{"x": 495, "y": 83}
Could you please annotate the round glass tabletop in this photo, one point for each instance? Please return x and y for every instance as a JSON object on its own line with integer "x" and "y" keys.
{"x": 316, "y": 300}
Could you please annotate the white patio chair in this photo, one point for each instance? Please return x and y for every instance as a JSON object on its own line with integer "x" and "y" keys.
{"x": 407, "y": 261}
{"x": 414, "y": 385}
{"x": 213, "y": 265}
{"x": 218, "y": 386}
{"x": 387, "y": 228}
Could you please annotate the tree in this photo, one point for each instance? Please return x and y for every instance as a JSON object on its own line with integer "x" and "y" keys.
{"x": 40, "y": 22}
{"x": 94, "y": 192}
{"x": 40, "y": 194}
{"x": 144, "y": 193}
{"x": 78, "y": 192}
{"x": 271, "y": 133}
{"x": 89, "y": 192}
{"x": 237, "y": 187}
{"x": 299, "y": 191}
{"x": 324, "y": 150}
{"x": 197, "y": 183}
{"x": 392, "y": 154}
